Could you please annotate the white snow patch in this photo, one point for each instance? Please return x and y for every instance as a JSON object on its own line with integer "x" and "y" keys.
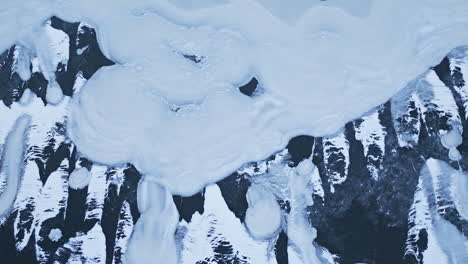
{"x": 52, "y": 200}
{"x": 454, "y": 154}
{"x": 153, "y": 236}
{"x": 459, "y": 189}
{"x": 81, "y": 50}
{"x": 336, "y": 156}
{"x": 97, "y": 187}
{"x": 79, "y": 178}
{"x": 439, "y": 181}
{"x": 26, "y": 98}
{"x": 54, "y": 94}
{"x": 371, "y": 133}
{"x": 317, "y": 183}
{"x": 219, "y": 225}
{"x": 12, "y": 162}
{"x": 123, "y": 232}
{"x": 263, "y": 216}
{"x": 345, "y": 82}
{"x": 21, "y": 63}
{"x": 452, "y": 139}
{"x": 300, "y": 231}
{"x": 55, "y": 234}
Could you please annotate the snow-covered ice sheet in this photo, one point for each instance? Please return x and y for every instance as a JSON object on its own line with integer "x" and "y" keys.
{"x": 184, "y": 124}
{"x": 330, "y": 64}
{"x": 12, "y": 160}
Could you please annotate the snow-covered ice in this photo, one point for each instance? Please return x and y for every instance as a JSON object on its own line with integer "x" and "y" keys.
{"x": 321, "y": 65}
{"x": 12, "y": 162}
{"x": 152, "y": 239}
{"x": 55, "y": 234}
{"x": 79, "y": 178}
{"x": 320, "y": 69}
{"x": 263, "y": 216}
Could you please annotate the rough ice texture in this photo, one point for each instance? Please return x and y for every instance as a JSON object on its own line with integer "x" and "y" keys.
{"x": 319, "y": 71}
{"x": 441, "y": 185}
{"x": 203, "y": 125}
{"x": 11, "y": 164}
{"x": 79, "y": 178}
{"x": 153, "y": 235}
{"x": 263, "y": 217}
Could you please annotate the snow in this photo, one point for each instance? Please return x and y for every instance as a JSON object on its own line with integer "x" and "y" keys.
{"x": 454, "y": 154}
{"x": 26, "y": 98}
{"x": 55, "y": 234}
{"x": 218, "y": 226}
{"x": 123, "y": 232}
{"x": 22, "y": 60}
{"x": 420, "y": 218}
{"x": 311, "y": 91}
{"x": 372, "y": 135}
{"x": 323, "y": 65}
{"x": 452, "y": 139}
{"x": 12, "y": 162}
{"x": 52, "y": 200}
{"x": 443, "y": 187}
{"x": 336, "y": 156}
{"x": 263, "y": 216}
{"x": 152, "y": 240}
{"x": 87, "y": 247}
{"x": 96, "y": 187}
{"x": 79, "y": 178}
{"x": 300, "y": 232}
{"x": 459, "y": 189}
{"x": 54, "y": 94}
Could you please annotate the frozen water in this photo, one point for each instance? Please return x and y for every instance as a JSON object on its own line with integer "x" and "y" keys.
{"x": 314, "y": 69}
{"x": 320, "y": 64}
{"x": 79, "y": 178}
{"x": 12, "y": 162}
{"x": 263, "y": 216}
{"x": 55, "y": 234}
{"x": 452, "y": 139}
{"x": 153, "y": 236}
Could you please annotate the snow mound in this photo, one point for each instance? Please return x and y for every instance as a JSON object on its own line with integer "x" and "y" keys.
{"x": 263, "y": 216}
{"x": 324, "y": 64}
{"x": 11, "y": 162}
{"x": 79, "y": 178}
{"x": 55, "y": 234}
{"x": 452, "y": 139}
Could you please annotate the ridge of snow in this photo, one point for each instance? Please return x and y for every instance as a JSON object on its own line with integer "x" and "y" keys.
{"x": 12, "y": 162}
{"x": 336, "y": 156}
{"x": 372, "y": 134}
{"x": 311, "y": 91}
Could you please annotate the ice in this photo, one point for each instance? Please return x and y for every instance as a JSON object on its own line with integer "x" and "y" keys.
{"x": 263, "y": 216}
{"x": 321, "y": 65}
{"x": 300, "y": 232}
{"x": 446, "y": 187}
{"x": 372, "y": 135}
{"x": 96, "y": 187}
{"x": 55, "y": 234}
{"x": 336, "y": 156}
{"x": 454, "y": 154}
{"x": 452, "y": 139}
{"x": 319, "y": 71}
{"x": 54, "y": 94}
{"x": 123, "y": 232}
{"x": 79, "y": 178}
{"x": 22, "y": 61}
{"x": 216, "y": 228}
{"x": 152, "y": 240}
{"x": 12, "y": 162}
{"x": 26, "y": 98}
